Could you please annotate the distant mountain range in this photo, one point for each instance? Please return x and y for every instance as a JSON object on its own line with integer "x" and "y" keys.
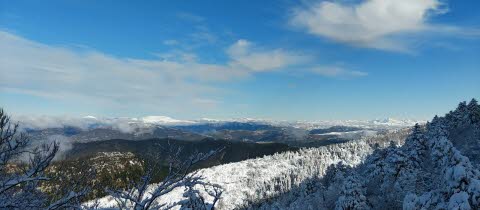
{"x": 123, "y": 123}
{"x": 89, "y": 128}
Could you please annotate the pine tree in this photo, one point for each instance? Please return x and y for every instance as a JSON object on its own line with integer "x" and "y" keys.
{"x": 416, "y": 145}
{"x": 458, "y": 185}
{"x": 352, "y": 195}
{"x": 474, "y": 110}
{"x": 461, "y": 115}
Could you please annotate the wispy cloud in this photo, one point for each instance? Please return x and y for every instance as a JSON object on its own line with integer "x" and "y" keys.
{"x": 245, "y": 55}
{"x": 175, "y": 81}
{"x": 61, "y": 73}
{"x": 200, "y": 34}
{"x": 170, "y": 42}
{"x": 337, "y": 72}
{"x": 203, "y": 35}
{"x": 190, "y": 17}
{"x": 379, "y": 24}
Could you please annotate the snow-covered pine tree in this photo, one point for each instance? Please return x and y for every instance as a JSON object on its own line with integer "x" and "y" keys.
{"x": 462, "y": 113}
{"x": 416, "y": 145}
{"x": 474, "y": 110}
{"x": 333, "y": 180}
{"x": 352, "y": 195}
{"x": 458, "y": 185}
{"x": 418, "y": 170}
{"x": 426, "y": 172}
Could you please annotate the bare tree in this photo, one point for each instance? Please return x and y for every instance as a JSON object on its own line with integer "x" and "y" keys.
{"x": 142, "y": 195}
{"x": 19, "y": 179}
{"x": 195, "y": 199}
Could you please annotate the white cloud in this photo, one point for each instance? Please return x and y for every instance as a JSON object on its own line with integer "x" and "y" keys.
{"x": 175, "y": 82}
{"x": 203, "y": 34}
{"x": 87, "y": 76}
{"x": 170, "y": 42}
{"x": 190, "y": 17}
{"x": 244, "y": 54}
{"x": 337, "y": 72}
{"x": 371, "y": 23}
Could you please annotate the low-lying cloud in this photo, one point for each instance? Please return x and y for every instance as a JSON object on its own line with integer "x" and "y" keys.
{"x": 122, "y": 124}
{"x": 64, "y": 143}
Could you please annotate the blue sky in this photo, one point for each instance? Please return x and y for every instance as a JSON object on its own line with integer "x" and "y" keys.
{"x": 314, "y": 60}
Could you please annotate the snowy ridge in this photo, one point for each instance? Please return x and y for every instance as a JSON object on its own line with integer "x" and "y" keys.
{"x": 164, "y": 120}
{"x": 366, "y": 124}
{"x": 243, "y": 180}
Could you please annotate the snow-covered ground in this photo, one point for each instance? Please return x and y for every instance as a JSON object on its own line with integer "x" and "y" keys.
{"x": 243, "y": 181}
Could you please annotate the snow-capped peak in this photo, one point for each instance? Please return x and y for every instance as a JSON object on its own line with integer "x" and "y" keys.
{"x": 394, "y": 122}
{"x": 209, "y": 120}
{"x": 163, "y": 120}
{"x": 90, "y": 117}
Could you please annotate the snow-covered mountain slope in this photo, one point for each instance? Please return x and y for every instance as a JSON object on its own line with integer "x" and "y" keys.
{"x": 263, "y": 178}
{"x": 422, "y": 171}
{"x": 433, "y": 169}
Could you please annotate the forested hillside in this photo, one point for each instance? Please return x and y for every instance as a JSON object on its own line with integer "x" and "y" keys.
{"x": 436, "y": 168}
{"x": 253, "y": 181}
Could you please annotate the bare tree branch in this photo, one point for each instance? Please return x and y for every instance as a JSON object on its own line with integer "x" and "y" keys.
{"x": 142, "y": 197}
{"x": 19, "y": 180}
